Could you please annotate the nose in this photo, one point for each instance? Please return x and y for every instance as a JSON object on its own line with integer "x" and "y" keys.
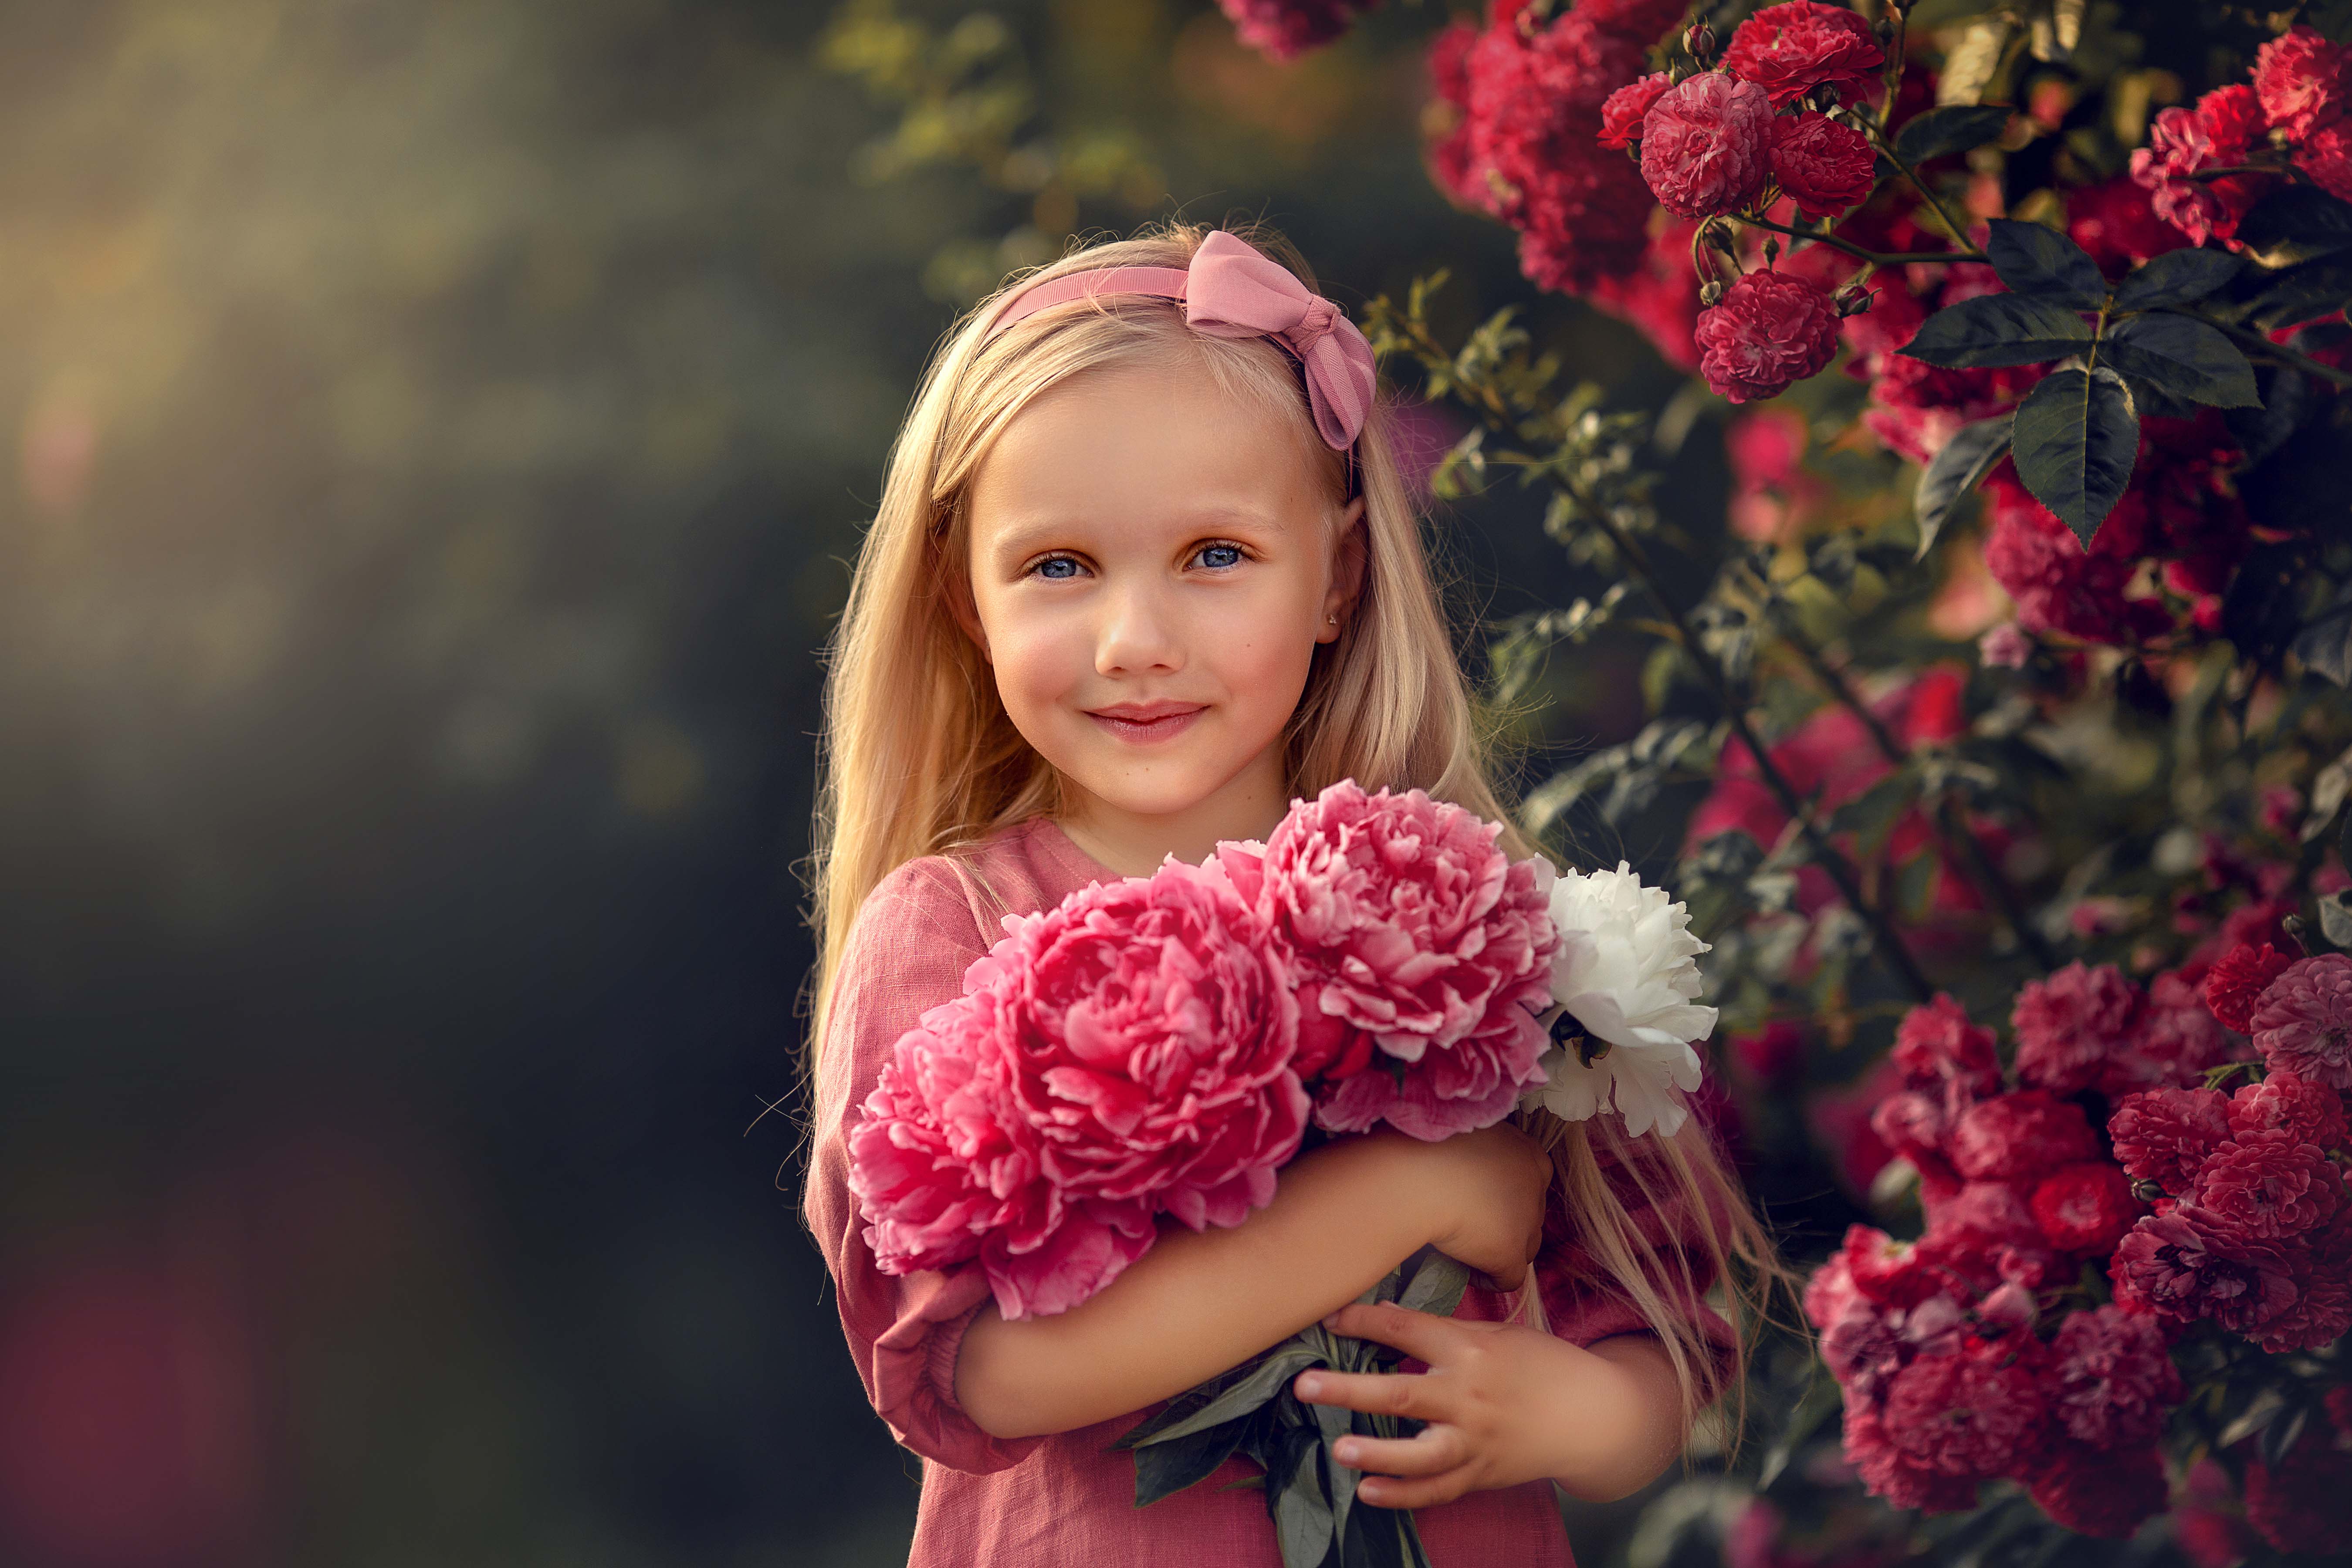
{"x": 1139, "y": 634}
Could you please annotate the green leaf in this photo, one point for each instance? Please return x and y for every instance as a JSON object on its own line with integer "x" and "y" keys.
{"x": 2294, "y": 223}
{"x": 2261, "y": 432}
{"x": 2324, "y": 644}
{"x": 1954, "y": 127}
{"x": 2335, "y": 916}
{"x": 1302, "y": 1515}
{"x": 1915, "y": 881}
{"x": 2182, "y": 356}
{"x": 2263, "y": 608}
{"x": 2075, "y": 441}
{"x": 1163, "y": 1469}
{"x": 1871, "y": 816}
{"x": 2042, "y": 264}
{"x": 2177, "y": 277}
{"x": 2300, "y": 294}
{"x": 1436, "y": 1286}
{"x": 1998, "y": 330}
{"x": 1248, "y": 1390}
{"x": 1957, "y": 469}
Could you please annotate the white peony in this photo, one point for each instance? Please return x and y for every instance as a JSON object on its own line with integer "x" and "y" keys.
{"x": 1626, "y": 971}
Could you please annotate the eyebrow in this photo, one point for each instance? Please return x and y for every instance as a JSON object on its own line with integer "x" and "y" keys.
{"x": 1030, "y": 533}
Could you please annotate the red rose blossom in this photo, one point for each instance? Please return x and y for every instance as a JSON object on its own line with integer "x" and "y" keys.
{"x": 2185, "y": 1267}
{"x": 2095, "y": 1491}
{"x": 1621, "y": 111}
{"x": 1940, "y": 1051}
{"x": 2086, "y": 1208}
{"x": 2114, "y": 1384}
{"x": 2322, "y": 1310}
{"x": 2219, "y": 132}
{"x": 1892, "y": 1474}
{"x": 2115, "y": 222}
{"x": 2300, "y": 81}
{"x": 2282, "y": 1101}
{"x": 1285, "y": 29}
{"x": 1706, "y": 145}
{"x": 2059, "y": 586}
{"x": 1793, "y": 48}
{"x": 2269, "y": 1185}
{"x": 2237, "y": 980}
{"x": 2163, "y": 1135}
{"x": 2302, "y": 1024}
{"x": 1969, "y": 1415}
{"x": 2327, "y": 157}
{"x": 2071, "y": 1024}
{"x": 2025, "y": 1134}
{"x": 1822, "y": 166}
{"x": 1888, "y": 1272}
{"x": 1770, "y": 330}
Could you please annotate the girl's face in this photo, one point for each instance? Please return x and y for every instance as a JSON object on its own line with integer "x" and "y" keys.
{"x": 1152, "y": 562}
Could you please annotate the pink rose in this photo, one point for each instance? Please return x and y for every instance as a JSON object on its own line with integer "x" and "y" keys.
{"x": 2027, "y": 1134}
{"x": 2114, "y": 1382}
{"x": 1706, "y": 145}
{"x": 1790, "y": 49}
{"x": 1285, "y": 29}
{"x": 2302, "y": 1024}
{"x": 2071, "y": 1025}
{"x": 2327, "y": 157}
{"x": 1770, "y": 330}
{"x": 2086, "y": 1208}
{"x": 2163, "y": 1135}
{"x": 1127, "y": 1052}
{"x": 2220, "y": 131}
{"x": 1623, "y": 112}
{"x": 1969, "y": 1415}
{"x": 1409, "y": 929}
{"x": 1822, "y": 166}
{"x": 2300, "y": 79}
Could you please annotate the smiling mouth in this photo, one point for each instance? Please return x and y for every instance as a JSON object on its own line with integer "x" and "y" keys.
{"x": 1143, "y": 730}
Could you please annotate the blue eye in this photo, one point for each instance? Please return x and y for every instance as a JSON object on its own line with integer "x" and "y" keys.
{"x": 1219, "y": 557}
{"x": 1057, "y": 568}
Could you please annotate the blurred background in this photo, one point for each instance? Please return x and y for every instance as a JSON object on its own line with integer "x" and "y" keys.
{"x": 440, "y": 432}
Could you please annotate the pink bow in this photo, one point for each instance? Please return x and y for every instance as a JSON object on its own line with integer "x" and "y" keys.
{"x": 1234, "y": 290}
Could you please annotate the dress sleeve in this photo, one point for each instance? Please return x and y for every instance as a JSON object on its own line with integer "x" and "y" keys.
{"x": 1579, "y": 1293}
{"x": 906, "y": 951}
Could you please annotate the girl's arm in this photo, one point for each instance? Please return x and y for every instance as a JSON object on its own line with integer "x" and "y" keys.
{"x": 1197, "y": 1303}
{"x": 1504, "y": 1403}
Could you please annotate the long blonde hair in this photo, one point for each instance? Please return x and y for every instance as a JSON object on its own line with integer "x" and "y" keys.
{"x": 919, "y": 757}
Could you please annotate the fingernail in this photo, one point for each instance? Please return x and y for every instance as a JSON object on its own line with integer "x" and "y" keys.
{"x": 1345, "y": 1452}
{"x": 1309, "y": 1387}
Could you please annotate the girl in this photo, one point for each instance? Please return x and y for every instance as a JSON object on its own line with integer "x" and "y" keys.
{"x": 1144, "y": 570}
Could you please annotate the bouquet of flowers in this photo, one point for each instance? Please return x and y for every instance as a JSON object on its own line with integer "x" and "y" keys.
{"x": 1162, "y": 1045}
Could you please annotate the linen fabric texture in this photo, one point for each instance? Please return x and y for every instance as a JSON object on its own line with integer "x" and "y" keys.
{"x": 1068, "y": 1500}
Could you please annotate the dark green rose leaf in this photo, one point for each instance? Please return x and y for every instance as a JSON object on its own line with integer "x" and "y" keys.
{"x": 2294, "y": 223}
{"x": 2261, "y": 431}
{"x": 1162, "y": 1469}
{"x": 1999, "y": 329}
{"x": 2325, "y": 644}
{"x": 2182, "y": 356}
{"x": 2044, "y": 264}
{"x": 2177, "y": 277}
{"x": 2075, "y": 439}
{"x": 2300, "y": 294}
{"x": 2335, "y": 918}
{"x": 1954, "y": 127}
{"x": 1958, "y": 468}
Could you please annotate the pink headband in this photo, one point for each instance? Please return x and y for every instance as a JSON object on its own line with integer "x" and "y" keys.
{"x": 1232, "y": 290}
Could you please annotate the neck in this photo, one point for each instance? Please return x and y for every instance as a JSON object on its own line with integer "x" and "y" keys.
{"x": 1135, "y": 843}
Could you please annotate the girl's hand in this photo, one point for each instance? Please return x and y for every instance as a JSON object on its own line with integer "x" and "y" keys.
{"x": 1501, "y": 1182}
{"x": 1504, "y": 1403}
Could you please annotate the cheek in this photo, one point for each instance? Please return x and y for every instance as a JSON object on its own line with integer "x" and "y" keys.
{"x": 1262, "y": 652}
{"x": 1036, "y": 658}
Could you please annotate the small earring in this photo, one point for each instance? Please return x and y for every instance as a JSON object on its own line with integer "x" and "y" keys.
{"x": 1334, "y": 619}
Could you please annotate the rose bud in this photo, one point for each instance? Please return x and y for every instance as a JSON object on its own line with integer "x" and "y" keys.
{"x": 1711, "y": 292}
{"x": 1700, "y": 41}
{"x": 1854, "y": 299}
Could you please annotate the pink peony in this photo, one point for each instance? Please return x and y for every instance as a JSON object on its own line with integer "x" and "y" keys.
{"x": 1126, "y": 1052}
{"x": 2101, "y": 1492}
{"x": 2237, "y": 981}
{"x": 2302, "y": 1024}
{"x": 2114, "y": 1384}
{"x": 1793, "y": 48}
{"x": 1822, "y": 166}
{"x": 2163, "y": 1135}
{"x": 2027, "y": 1134}
{"x": 1770, "y": 330}
{"x": 1419, "y": 938}
{"x": 2070, "y": 1025}
{"x": 1706, "y": 145}
{"x": 1621, "y": 112}
{"x": 2301, "y": 80}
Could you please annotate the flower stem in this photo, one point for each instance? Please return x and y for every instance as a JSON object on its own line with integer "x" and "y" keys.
{"x": 2278, "y": 353}
{"x": 1876, "y": 257}
{"x": 1877, "y": 134}
{"x": 2287, "y": 169}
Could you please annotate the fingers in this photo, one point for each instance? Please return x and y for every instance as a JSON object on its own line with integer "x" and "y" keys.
{"x": 1431, "y": 1452}
{"x": 1420, "y": 1491}
{"x": 1424, "y": 1336}
{"x": 1374, "y": 1393}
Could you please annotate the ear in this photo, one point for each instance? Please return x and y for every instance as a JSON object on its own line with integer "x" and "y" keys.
{"x": 1350, "y": 553}
{"x": 967, "y": 612}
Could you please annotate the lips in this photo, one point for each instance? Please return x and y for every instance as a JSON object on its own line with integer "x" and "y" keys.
{"x": 1143, "y": 723}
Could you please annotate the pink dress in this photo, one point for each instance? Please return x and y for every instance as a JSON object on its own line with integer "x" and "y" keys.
{"x": 1067, "y": 1500}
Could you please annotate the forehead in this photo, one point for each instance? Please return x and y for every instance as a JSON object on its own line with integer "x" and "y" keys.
{"x": 1140, "y": 441}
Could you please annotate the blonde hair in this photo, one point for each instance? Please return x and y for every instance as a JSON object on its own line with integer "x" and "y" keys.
{"x": 918, "y": 756}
